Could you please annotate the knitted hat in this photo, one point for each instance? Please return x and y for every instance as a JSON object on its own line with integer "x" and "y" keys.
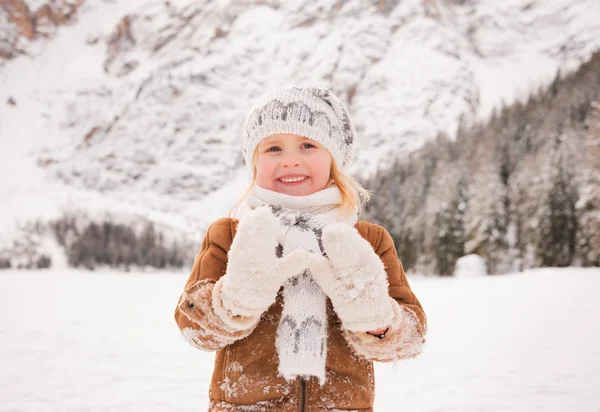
{"x": 305, "y": 111}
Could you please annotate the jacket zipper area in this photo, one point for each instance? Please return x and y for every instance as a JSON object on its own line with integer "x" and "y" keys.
{"x": 303, "y": 403}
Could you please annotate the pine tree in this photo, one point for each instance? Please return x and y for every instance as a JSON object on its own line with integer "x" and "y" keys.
{"x": 588, "y": 207}
{"x": 555, "y": 245}
{"x": 450, "y": 231}
{"x": 532, "y": 200}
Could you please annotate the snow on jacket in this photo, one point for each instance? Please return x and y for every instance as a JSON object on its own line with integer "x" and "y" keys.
{"x": 245, "y": 376}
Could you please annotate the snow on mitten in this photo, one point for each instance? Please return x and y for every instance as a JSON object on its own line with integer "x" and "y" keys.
{"x": 254, "y": 274}
{"x": 354, "y": 278}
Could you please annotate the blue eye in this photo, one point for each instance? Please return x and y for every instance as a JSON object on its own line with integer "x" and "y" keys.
{"x": 308, "y": 145}
{"x": 273, "y": 149}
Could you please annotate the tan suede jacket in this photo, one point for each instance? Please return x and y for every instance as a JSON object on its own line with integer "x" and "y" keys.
{"x": 245, "y": 371}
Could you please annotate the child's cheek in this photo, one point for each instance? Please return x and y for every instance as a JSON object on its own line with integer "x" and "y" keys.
{"x": 265, "y": 173}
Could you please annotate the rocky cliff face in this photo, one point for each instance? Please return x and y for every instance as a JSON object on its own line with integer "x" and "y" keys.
{"x": 30, "y": 20}
{"x": 141, "y": 103}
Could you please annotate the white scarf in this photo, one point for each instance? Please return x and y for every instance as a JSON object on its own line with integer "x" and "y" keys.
{"x": 302, "y": 332}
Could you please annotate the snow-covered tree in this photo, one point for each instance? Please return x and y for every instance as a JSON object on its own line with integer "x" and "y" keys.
{"x": 555, "y": 243}
{"x": 531, "y": 184}
{"x": 588, "y": 206}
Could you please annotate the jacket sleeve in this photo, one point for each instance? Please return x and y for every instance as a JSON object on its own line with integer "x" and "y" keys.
{"x": 196, "y": 312}
{"x": 406, "y": 335}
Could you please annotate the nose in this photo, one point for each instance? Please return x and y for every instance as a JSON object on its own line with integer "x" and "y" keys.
{"x": 291, "y": 160}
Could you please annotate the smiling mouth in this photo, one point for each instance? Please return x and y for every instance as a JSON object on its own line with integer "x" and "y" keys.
{"x": 293, "y": 179}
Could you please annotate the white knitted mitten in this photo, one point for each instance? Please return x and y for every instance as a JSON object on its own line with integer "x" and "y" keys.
{"x": 254, "y": 274}
{"x": 354, "y": 278}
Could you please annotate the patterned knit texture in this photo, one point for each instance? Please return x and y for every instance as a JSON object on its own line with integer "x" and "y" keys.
{"x": 302, "y": 332}
{"x": 314, "y": 113}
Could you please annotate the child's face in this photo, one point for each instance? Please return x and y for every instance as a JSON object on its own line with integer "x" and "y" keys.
{"x": 293, "y": 165}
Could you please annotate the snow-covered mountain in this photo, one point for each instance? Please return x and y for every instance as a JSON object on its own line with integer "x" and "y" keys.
{"x": 134, "y": 108}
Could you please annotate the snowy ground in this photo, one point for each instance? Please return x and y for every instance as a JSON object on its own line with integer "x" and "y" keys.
{"x": 80, "y": 341}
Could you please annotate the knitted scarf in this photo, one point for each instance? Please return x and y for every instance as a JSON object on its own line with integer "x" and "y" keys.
{"x": 302, "y": 332}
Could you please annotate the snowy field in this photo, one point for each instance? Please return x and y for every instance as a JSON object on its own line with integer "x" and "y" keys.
{"x": 81, "y": 341}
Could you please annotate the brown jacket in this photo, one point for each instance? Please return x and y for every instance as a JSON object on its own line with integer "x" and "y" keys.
{"x": 245, "y": 371}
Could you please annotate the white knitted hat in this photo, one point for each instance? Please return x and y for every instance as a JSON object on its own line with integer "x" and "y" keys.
{"x": 305, "y": 111}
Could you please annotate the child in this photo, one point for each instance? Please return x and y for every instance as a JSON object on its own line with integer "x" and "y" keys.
{"x": 299, "y": 297}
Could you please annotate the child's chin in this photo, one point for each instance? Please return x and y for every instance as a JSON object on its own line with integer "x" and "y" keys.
{"x": 293, "y": 191}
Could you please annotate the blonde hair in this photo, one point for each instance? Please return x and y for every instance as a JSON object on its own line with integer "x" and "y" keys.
{"x": 354, "y": 195}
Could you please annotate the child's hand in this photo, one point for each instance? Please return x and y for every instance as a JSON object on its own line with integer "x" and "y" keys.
{"x": 254, "y": 273}
{"x": 355, "y": 279}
